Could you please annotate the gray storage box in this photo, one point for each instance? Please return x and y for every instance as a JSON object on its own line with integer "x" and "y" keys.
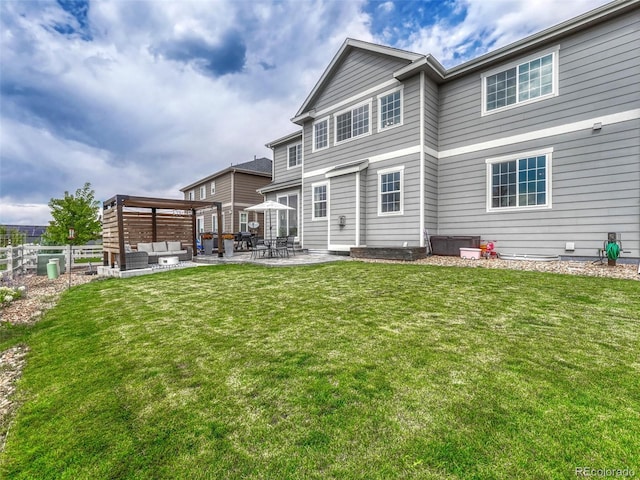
{"x": 450, "y": 245}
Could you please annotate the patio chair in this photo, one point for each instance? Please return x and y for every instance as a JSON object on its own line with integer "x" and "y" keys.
{"x": 290, "y": 244}
{"x": 281, "y": 247}
{"x": 257, "y": 245}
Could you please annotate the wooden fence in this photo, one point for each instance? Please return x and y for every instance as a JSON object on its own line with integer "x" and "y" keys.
{"x": 24, "y": 258}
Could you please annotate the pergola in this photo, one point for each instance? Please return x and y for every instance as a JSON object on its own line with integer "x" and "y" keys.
{"x": 130, "y": 220}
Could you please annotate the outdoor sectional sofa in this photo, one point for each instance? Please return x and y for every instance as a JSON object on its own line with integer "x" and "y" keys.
{"x": 155, "y": 250}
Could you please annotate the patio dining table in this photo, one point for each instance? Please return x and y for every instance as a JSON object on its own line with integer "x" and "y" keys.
{"x": 270, "y": 248}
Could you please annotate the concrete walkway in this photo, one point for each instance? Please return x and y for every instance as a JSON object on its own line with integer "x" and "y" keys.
{"x": 300, "y": 258}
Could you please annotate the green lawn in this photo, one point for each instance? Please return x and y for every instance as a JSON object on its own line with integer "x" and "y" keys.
{"x": 345, "y": 370}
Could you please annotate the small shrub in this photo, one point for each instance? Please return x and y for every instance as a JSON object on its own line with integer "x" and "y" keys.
{"x": 9, "y": 294}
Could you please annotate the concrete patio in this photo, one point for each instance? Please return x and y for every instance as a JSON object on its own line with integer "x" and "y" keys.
{"x": 300, "y": 258}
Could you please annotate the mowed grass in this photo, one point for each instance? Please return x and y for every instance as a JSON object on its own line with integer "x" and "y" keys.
{"x": 347, "y": 370}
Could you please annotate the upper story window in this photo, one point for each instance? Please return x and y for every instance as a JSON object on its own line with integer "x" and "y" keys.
{"x": 535, "y": 78}
{"x": 203, "y": 192}
{"x": 191, "y": 195}
{"x": 213, "y": 188}
{"x": 243, "y": 220}
{"x": 321, "y": 134}
{"x": 320, "y": 194}
{"x": 295, "y": 155}
{"x": 353, "y": 123}
{"x": 390, "y": 191}
{"x": 390, "y": 109}
{"x": 520, "y": 181}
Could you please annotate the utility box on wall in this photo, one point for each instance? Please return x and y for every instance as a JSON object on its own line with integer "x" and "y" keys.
{"x": 451, "y": 245}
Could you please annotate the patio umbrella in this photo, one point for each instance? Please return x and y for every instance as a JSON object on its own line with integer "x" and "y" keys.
{"x": 267, "y": 207}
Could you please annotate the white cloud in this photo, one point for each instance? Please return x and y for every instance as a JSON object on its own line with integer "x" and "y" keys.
{"x": 491, "y": 25}
{"x": 386, "y": 7}
{"x": 23, "y": 213}
{"x": 135, "y": 110}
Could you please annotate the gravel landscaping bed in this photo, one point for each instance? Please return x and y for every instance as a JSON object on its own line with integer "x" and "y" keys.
{"x": 597, "y": 269}
{"x": 41, "y": 294}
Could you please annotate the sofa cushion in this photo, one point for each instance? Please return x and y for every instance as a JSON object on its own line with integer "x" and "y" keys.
{"x": 145, "y": 247}
{"x": 159, "y": 246}
{"x": 174, "y": 246}
{"x": 166, "y": 254}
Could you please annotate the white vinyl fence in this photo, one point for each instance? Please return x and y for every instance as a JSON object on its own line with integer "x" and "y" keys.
{"x": 24, "y": 258}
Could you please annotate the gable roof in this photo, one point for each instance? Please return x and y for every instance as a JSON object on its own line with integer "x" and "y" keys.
{"x": 346, "y": 48}
{"x": 286, "y": 139}
{"x": 262, "y": 164}
{"x": 261, "y": 167}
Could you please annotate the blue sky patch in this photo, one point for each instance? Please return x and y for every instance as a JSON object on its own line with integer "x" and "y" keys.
{"x": 79, "y": 11}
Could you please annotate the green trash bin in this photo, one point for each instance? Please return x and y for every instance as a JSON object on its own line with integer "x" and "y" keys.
{"x": 53, "y": 269}
{"x": 43, "y": 261}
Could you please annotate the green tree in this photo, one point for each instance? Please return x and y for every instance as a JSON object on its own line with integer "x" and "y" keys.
{"x": 80, "y": 212}
{"x": 12, "y": 235}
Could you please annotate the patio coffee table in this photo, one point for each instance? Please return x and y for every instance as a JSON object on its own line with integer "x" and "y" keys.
{"x": 164, "y": 261}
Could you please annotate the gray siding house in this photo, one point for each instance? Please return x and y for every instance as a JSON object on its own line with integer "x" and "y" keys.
{"x": 535, "y": 146}
{"x": 236, "y": 188}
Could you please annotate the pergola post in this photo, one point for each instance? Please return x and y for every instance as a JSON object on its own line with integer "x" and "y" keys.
{"x": 218, "y": 206}
{"x": 154, "y": 225}
{"x": 193, "y": 232}
{"x": 119, "y": 215}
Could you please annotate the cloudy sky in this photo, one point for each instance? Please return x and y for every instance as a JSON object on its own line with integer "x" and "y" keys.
{"x": 144, "y": 97}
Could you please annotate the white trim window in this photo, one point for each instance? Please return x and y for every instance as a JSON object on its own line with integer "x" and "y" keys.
{"x": 321, "y": 134}
{"x": 214, "y": 223}
{"x": 203, "y": 192}
{"x": 532, "y": 79}
{"x": 521, "y": 181}
{"x": 294, "y": 155}
{"x": 213, "y": 188}
{"x": 200, "y": 224}
{"x": 320, "y": 193}
{"x": 191, "y": 195}
{"x": 390, "y": 108}
{"x": 390, "y": 197}
{"x": 243, "y": 221}
{"x": 352, "y": 123}
{"x": 288, "y": 219}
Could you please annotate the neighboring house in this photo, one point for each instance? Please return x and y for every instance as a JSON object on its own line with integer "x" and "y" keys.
{"x": 535, "y": 145}
{"x": 29, "y": 233}
{"x": 236, "y": 188}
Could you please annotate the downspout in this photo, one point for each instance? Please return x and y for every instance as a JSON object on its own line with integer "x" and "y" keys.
{"x": 358, "y": 193}
{"x": 301, "y": 212}
{"x": 273, "y": 179}
{"x": 422, "y": 167}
